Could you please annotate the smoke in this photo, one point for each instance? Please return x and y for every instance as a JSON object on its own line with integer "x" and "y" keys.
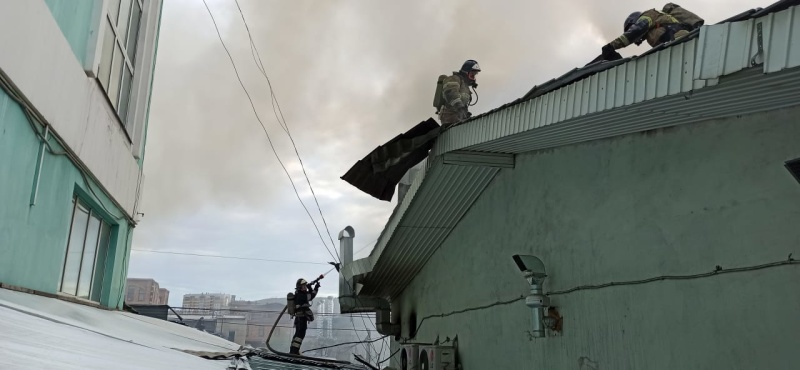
{"x": 349, "y": 75}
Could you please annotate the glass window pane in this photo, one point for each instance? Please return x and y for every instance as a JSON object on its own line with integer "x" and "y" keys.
{"x": 124, "y": 95}
{"x": 77, "y": 236}
{"x": 124, "y": 18}
{"x": 116, "y": 75}
{"x": 113, "y": 9}
{"x": 105, "y": 58}
{"x": 89, "y": 255}
{"x": 100, "y": 262}
{"x": 133, "y": 32}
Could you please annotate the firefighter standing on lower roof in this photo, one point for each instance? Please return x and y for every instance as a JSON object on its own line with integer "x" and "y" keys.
{"x": 456, "y": 94}
{"x": 657, "y": 27}
{"x": 302, "y": 311}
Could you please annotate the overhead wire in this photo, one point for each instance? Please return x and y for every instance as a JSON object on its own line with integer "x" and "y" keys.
{"x": 390, "y": 357}
{"x": 275, "y": 104}
{"x": 269, "y": 138}
{"x": 346, "y": 343}
{"x": 260, "y": 65}
{"x": 228, "y": 257}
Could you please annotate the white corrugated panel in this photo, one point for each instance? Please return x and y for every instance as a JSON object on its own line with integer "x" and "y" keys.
{"x": 692, "y": 66}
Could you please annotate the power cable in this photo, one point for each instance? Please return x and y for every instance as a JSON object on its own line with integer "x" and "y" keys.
{"x": 245, "y": 310}
{"x": 269, "y": 139}
{"x": 230, "y": 257}
{"x": 718, "y": 270}
{"x": 346, "y": 343}
{"x": 260, "y": 65}
{"x": 390, "y": 357}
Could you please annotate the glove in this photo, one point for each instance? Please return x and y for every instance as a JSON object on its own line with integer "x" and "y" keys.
{"x": 316, "y": 287}
{"x": 608, "y": 49}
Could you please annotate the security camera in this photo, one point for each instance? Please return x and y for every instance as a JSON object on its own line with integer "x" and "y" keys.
{"x": 531, "y": 266}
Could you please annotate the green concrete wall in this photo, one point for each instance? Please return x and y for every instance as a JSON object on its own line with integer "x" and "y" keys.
{"x": 33, "y": 239}
{"x": 674, "y": 201}
{"x": 74, "y": 17}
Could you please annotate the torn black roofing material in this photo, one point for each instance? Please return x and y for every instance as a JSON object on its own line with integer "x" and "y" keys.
{"x": 380, "y": 171}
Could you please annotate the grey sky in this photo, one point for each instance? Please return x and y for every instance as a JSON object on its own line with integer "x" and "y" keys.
{"x": 349, "y": 75}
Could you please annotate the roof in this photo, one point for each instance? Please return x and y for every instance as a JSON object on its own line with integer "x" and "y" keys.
{"x": 39, "y": 332}
{"x": 745, "y": 64}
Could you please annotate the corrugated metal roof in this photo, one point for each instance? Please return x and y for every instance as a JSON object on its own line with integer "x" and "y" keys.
{"x": 720, "y": 72}
{"x": 440, "y": 198}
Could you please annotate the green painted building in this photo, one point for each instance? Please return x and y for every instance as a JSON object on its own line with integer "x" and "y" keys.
{"x": 76, "y": 81}
{"x": 652, "y": 203}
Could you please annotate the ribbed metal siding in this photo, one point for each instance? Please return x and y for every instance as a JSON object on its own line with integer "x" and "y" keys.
{"x": 651, "y": 77}
{"x": 692, "y": 66}
{"x": 761, "y": 93}
{"x": 446, "y": 195}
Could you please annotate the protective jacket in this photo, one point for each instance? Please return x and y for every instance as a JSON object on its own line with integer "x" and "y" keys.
{"x": 456, "y": 98}
{"x": 654, "y": 26}
{"x": 302, "y": 304}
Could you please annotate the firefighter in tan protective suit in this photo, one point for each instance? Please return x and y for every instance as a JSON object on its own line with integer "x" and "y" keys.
{"x": 456, "y": 97}
{"x": 657, "y": 27}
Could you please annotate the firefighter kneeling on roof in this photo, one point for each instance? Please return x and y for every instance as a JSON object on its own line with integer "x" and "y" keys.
{"x": 656, "y": 27}
{"x": 299, "y": 306}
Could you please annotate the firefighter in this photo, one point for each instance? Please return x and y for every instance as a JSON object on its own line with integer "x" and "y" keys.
{"x": 456, "y": 95}
{"x": 657, "y": 27}
{"x": 302, "y": 312}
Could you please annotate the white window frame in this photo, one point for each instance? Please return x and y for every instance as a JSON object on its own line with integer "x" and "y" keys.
{"x": 98, "y": 264}
{"x": 144, "y": 61}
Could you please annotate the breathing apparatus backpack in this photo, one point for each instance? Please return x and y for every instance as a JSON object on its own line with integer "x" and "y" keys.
{"x": 684, "y": 16}
{"x": 438, "y": 98}
{"x": 290, "y": 304}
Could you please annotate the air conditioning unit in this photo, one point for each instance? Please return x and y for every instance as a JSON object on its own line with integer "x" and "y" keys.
{"x": 437, "y": 358}
{"x": 409, "y": 357}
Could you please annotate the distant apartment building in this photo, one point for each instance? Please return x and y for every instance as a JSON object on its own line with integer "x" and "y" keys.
{"x": 261, "y": 315}
{"x": 325, "y": 308}
{"x": 145, "y": 291}
{"x": 208, "y": 304}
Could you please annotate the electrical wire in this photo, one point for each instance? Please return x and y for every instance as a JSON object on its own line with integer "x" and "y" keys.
{"x": 346, "y": 343}
{"x": 230, "y": 257}
{"x": 718, "y": 270}
{"x": 390, "y": 357}
{"x": 35, "y": 117}
{"x": 260, "y": 65}
{"x": 269, "y": 139}
{"x": 245, "y": 310}
{"x": 279, "y": 326}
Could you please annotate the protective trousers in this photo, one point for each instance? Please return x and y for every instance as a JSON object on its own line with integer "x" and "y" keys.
{"x": 301, "y": 324}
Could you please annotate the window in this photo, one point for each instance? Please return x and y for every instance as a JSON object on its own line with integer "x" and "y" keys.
{"x": 131, "y": 292}
{"x": 261, "y": 331}
{"x": 141, "y": 295}
{"x": 117, "y": 63}
{"x": 87, "y": 247}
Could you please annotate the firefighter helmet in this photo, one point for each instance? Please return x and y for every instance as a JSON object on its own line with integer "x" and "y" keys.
{"x": 631, "y": 20}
